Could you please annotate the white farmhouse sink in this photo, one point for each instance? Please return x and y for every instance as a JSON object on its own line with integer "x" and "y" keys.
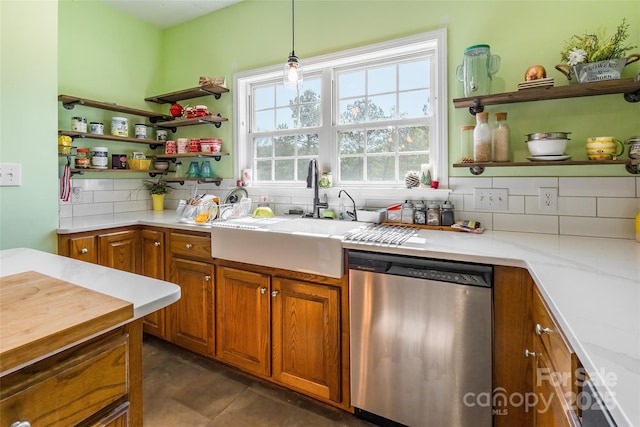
{"x": 300, "y": 244}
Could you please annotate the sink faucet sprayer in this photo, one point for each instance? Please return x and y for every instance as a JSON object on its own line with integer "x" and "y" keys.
{"x": 312, "y": 179}
{"x": 354, "y": 214}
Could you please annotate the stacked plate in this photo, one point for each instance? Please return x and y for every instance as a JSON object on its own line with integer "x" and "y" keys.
{"x": 536, "y": 83}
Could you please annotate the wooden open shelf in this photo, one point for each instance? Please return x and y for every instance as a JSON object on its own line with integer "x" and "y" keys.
{"x": 82, "y": 171}
{"x": 477, "y": 168}
{"x": 73, "y": 134}
{"x": 216, "y": 156}
{"x": 605, "y": 87}
{"x": 173, "y": 124}
{"x": 69, "y": 102}
{"x": 216, "y": 181}
{"x": 194, "y": 92}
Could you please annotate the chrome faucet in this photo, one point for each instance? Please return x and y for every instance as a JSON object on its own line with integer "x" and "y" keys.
{"x": 354, "y": 214}
{"x": 312, "y": 180}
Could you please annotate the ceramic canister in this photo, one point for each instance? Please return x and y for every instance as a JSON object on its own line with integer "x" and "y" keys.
{"x": 119, "y": 126}
{"x": 99, "y": 157}
{"x": 183, "y": 145}
{"x": 161, "y": 135}
{"x": 79, "y": 124}
{"x": 141, "y": 131}
{"x": 96, "y": 128}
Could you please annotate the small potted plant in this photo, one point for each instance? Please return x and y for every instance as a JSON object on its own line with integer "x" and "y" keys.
{"x": 157, "y": 190}
{"x": 593, "y": 57}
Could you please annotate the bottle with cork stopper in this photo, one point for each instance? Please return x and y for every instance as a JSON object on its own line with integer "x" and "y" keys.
{"x": 501, "y": 139}
{"x": 482, "y": 138}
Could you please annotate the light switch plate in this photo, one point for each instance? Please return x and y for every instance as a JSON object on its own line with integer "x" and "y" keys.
{"x": 490, "y": 199}
{"x": 10, "y": 174}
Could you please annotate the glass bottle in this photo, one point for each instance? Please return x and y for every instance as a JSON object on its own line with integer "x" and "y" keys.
{"x": 482, "y": 139}
{"x": 501, "y": 139}
{"x": 419, "y": 213}
{"x": 466, "y": 144}
{"x": 178, "y": 169}
{"x": 447, "y": 216}
{"x": 433, "y": 214}
{"x": 407, "y": 213}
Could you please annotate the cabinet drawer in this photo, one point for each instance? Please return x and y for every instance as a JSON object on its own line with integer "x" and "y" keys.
{"x": 191, "y": 246}
{"x": 558, "y": 352}
{"x": 68, "y": 388}
{"x": 83, "y": 248}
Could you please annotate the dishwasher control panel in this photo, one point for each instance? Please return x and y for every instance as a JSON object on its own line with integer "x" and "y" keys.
{"x": 438, "y": 275}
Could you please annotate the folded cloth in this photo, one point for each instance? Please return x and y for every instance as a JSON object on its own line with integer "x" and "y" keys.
{"x": 65, "y": 182}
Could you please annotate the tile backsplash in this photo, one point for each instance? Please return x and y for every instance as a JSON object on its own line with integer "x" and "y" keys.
{"x": 599, "y": 206}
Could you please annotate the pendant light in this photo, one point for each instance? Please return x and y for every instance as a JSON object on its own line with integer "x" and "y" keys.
{"x": 292, "y": 77}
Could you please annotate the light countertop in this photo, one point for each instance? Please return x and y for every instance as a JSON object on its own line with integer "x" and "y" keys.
{"x": 592, "y": 286}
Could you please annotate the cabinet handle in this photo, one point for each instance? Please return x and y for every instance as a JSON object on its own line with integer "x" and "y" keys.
{"x": 188, "y": 246}
{"x": 528, "y": 353}
{"x": 82, "y": 251}
{"x": 274, "y": 293}
{"x": 540, "y": 330}
{"x": 207, "y": 278}
{"x": 21, "y": 424}
{"x": 156, "y": 244}
{"x": 263, "y": 291}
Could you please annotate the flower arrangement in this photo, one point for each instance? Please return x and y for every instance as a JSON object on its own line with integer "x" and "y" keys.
{"x": 157, "y": 187}
{"x": 587, "y": 48}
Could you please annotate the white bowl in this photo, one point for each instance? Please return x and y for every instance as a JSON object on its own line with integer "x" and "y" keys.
{"x": 547, "y": 147}
{"x": 162, "y": 166}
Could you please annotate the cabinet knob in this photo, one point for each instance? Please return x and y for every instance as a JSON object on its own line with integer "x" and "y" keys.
{"x": 263, "y": 291}
{"x": 82, "y": 251}
{"x": 156, "y": 244}
{"x": 21, "y": 424}
{"x": 540, "y": 330}
{"x": 528, "y": 353}
{"x": 274, "y": 293}
{"x": 207, "y": 278}
{"x": 188, "y": 246}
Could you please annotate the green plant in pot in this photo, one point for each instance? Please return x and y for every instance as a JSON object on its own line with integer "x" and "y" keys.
{"x": 594, "y": 57}
{"x": 157, "y": 190}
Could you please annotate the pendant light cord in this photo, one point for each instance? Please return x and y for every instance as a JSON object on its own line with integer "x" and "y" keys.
{"x": 293, "y": 29}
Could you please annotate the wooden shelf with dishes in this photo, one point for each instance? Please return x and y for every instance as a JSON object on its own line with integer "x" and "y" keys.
{"x": 152, "y": 143}
{"x": 174, "y": 124}
{"x": 182, "y": 180}
{"x": 194, "y": 92}
{"x": 632, "y": 165}
{"x": 81, "y": 171}
{"x": 173, "y": 157}
{"x": 629, "y": 86}
{"x": 69, "y": 102}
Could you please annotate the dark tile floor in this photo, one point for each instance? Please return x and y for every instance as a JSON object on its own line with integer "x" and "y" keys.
{"x": 183, "y": 389}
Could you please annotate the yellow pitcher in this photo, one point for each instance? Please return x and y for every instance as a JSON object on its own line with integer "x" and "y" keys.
{"x": 604, "y": 148}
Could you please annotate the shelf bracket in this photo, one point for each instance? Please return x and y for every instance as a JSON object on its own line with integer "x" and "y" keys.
{"x": 476, "y": 107}
{"x": 476, "y": 170}
{"x": 154, "y": 146}
{"x": 215, "y": 95}
{"x": 70, "y": 105}
{"x": 77, "y": 173}
{"x": 633, "y": 169}
{"x": 217, "y": 158}
{"x": 632, "y": 96}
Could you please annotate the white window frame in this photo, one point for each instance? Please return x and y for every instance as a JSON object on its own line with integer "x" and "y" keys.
{"x": 434, "y": 41}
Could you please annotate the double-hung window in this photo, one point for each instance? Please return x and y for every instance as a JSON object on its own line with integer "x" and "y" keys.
{"x": 369, "y": 115}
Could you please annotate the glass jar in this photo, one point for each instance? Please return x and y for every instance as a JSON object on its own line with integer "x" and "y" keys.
{"x": 466, "y": 144}
{"x": 477, "y": 69}
{"x": 433, "y": 214}
{"x": 501, "y": 139}
{"x": 446, "y": 215}
{"x": 179, "y": 172}
{"x": 419, "y": 213}
{"x": 407, "y": 213}
{"x": 482, "y": 139}
{"x": 82, "y": 158}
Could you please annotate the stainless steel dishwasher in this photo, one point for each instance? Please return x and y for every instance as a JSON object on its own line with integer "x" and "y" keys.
{"x": 421, "y": 340}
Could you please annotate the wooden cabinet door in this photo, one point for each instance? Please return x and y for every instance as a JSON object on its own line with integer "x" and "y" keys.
{"x": 306, "y": 337}
{"x": 512, "y": 370}
{"x": 119, "y": 250}
{"x": 191, "y": 317}
{"x": 152, "y": 265}
{"x": 243, "y": 319}
{"x": 82, "y": 248}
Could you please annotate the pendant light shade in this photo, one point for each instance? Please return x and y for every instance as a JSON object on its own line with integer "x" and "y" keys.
{"x": 292, "y": 76}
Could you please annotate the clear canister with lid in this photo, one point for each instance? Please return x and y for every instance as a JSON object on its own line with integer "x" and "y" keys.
{"x": 501, "y": 139}
{"x": 482, "y": 138}
{"x": 466, "y": 144}
{"x": 446, "y": 214}
{"x": 477, "y": 69}
{"x": 82, "y": 160}
{"x": 407, "y": 213}
{"x": 433, "y": 214}
{"x": 419, "y": 213}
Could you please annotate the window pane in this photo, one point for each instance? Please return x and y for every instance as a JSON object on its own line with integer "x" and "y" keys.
{"x": 284, "y": 170}
{"x": 381, "y": 141}
{"x": 351, "y": 84}
{"x": 413, "y": 138}
{"x": 310, "y": 115}
{"x": 263, "y": 168}
{"x": 263, "y": 98}
{"x": 303, "y": 169}
{"x": 286, "y": 117}
{"x": 351, "y": 142}
{"x": 285, "y": 96}
{"x": 382, "y": 80}
{"x": 351, "y": 169}
{"x": 414, "y": 103}
{"x": 265, "y": 121}
{"x": 264, "y": 147}
{"x": 284, "y": 146}
{"x": 381, "y": 168}
{"x": 414, "y": 75}
{"x": 411, "y": 163}
{"x": 352, "y": 111}
{"x": 382, "y": 107}
{"x": 312, "y": 90}
{"x": 308, "y": 145}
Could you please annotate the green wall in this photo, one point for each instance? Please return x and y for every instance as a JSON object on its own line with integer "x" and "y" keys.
{"x": 28, "y": 110}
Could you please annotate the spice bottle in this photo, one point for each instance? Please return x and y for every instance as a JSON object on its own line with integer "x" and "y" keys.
{"x": 482, "y": 138}
{"x": 433, "y": 214}
{"x": 407, "y": 213}
{"x": 466, "y": 144}
{"x": 500, "y": 136}
{"x": 447, "y": 216}
{"x": 420, "y": 213}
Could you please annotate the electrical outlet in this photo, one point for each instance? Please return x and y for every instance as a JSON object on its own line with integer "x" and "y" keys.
{"x": 490, "y": 199}
{"x": 548, "y": 199}
{"x": 75, "y": 194}
{"x": 10, "y": 174}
